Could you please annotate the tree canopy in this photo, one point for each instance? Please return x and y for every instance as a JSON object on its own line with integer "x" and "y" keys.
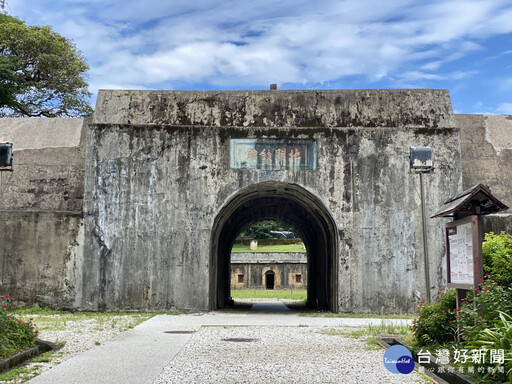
{"x": 41, "y": 72}
{"x": 261, "y": 229}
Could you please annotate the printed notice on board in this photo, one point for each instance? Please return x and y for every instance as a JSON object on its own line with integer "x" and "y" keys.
{"x": 461, "y": 255}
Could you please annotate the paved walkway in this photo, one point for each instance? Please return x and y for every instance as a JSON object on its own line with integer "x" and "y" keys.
{"x": 142, "y": 354}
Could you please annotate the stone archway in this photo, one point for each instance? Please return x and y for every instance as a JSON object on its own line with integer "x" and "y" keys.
{"x": 284, "y": 202}
{"x": 270, "y": 280}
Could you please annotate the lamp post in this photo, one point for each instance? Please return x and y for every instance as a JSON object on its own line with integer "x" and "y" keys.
{"x": 421, "y": 163}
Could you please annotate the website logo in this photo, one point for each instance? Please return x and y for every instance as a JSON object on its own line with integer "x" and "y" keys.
{"x": 398, "y": 359}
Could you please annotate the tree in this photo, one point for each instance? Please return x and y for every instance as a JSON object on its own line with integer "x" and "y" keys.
{"x": 41, "y": 72}
{"x": 261, "y": 229}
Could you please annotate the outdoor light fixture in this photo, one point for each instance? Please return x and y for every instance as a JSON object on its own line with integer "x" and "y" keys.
{"x": 421, "y": 162}
{"x": 5, "y": 156}
{"x": 421, "y": 159}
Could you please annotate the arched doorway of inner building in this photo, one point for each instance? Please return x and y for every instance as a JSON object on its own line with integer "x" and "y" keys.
{"x": 269, "y": 280}
{"x": 281, "y": 202}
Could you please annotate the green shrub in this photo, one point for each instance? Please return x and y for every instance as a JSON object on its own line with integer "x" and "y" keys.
{"x": 484, "y": 318}
{"x": 436, "y": 322}
{"x": 497, "y": 255}
{"x": 481, "y": 308}
{"x": 15, "y": 334}
{"x": 496, "y": 338}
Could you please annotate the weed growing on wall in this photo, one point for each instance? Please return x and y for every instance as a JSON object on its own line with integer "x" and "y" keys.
{"x": 15, "y": 334}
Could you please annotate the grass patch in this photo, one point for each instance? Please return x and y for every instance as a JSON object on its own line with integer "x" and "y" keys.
{"x": 43, "y": 358}
{"x": 237, "y": 248}
{"x": 22, "y": 373}
{"x": 372, "y": 331}
{"x": 50, "y": 320}
{"x": 372, "y": 344}
{"x": 287, "y": 294}
{"x": 356, "y": 315}
{"x": 389, "y": 329}
{"x": 14, "y": 374}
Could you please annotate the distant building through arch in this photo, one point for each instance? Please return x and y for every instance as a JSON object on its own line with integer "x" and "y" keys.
{"x": 285, "y": 202}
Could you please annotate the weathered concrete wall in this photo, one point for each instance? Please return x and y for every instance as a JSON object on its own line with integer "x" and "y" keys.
{"x": 486, "y": 147}
{"x": 323, "y": 108}
{"x": 41, "y": 228}
{"x": 158, "y": 173}
{"x": 40, "y": 257}
{"x": 48, "y": 162}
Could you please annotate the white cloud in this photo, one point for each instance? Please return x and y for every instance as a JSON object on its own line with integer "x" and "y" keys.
{"x": 502, "y": 108}
{"x": 157, "y": 44}
{"x": 505, "y": 108}
{"x": 417, "y": 75}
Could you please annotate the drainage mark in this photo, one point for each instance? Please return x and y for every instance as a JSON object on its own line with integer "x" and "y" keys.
{"x": 180, "y": 332}
{"x": 240, "y": 340}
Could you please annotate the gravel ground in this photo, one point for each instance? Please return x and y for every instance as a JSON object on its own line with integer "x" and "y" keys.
{"x": 278, "y": 355}
{"x": 279, "y": 347}
{"x": 79, "y": 336}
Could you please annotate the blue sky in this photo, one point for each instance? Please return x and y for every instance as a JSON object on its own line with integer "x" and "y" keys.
{"x": 462, "y": 46}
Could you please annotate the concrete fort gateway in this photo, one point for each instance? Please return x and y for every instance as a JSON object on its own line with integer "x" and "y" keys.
{"x": 138, "y": 207}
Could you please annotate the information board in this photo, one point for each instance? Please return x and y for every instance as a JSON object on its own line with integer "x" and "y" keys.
{"x": 460, "y": 240}
{"x": 464, "y": 252}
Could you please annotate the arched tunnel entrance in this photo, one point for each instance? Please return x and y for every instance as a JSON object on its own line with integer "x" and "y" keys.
{"x": 283, "y": 202}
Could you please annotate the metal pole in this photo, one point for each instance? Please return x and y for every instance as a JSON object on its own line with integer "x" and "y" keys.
{"x": 425, "y": 242}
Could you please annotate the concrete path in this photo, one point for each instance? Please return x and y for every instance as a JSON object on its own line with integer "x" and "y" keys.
{"x": 139, "y": 355}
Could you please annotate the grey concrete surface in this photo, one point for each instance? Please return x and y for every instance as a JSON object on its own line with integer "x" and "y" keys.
{"x": 429, "y": 108}
{"x": 140, "y": 355}
{"x": 31, "y": 133}
{"x": 136, "y": 356}
{"x": 269, "y": 307}
{"x": 41, "y": 202}
{"x": 39, "y": 256}
{"x": 486, "y": 154}
{"x": 158, "y": 178}
{"x": 161, "y": 197}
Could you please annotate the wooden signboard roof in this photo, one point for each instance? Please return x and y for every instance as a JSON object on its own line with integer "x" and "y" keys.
{"x": 476, "y": 200}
